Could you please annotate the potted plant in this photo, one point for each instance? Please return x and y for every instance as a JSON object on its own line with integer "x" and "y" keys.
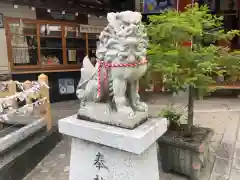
{"x": 182, "y": 47}
{"x": 172, "y": 116}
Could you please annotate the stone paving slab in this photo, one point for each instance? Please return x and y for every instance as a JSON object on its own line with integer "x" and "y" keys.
{"x": 237, "y": 149}
{"x": 222, "y": 168}
{"x": 227, "y": 147}
{"x": 236, "y": 164}
{"x": 220, "y": 114}
{"x": 55, "y": 166}
{"x": 215, "y": 142}
{"x": 235, "y": 175}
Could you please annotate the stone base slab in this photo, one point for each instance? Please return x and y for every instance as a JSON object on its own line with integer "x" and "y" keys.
{"x": 100, "y": 112}
{"x": 135, "y": 141}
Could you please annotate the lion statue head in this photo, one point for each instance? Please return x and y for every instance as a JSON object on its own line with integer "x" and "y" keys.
{"x": 124, "y": 36}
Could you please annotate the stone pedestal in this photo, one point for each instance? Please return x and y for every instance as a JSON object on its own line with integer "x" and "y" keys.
{"x": 104, "y": 152}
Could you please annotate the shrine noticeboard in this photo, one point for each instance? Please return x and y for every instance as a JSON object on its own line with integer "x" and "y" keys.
{"x": 157, "y": 6}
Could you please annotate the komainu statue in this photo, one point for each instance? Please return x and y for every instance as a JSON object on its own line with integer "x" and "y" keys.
{"x": 109, "y": 91}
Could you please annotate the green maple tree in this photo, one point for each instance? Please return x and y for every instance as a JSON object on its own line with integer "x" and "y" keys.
{"x": 182, "y": 47}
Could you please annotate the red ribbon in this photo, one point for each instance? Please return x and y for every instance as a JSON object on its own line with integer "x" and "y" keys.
{"x": 107, "y": 66}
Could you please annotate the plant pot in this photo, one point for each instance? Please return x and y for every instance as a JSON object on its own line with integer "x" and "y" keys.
{"x": 185, "y": 155}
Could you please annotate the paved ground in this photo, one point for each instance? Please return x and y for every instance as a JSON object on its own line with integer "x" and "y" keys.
{"x": 220, "y": 114}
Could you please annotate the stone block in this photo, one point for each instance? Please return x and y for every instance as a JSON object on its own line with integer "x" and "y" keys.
{"x": 105, "y": 116}
{"x": 135, "y": 141}
{"x": 21, "y": 134}
{"x": 91, "y": 161}
{"x": 104, "y": 152}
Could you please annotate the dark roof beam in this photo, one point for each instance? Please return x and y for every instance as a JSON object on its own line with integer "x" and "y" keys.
{"x": 92, "y": 3}
{"x": 62, "y": 6}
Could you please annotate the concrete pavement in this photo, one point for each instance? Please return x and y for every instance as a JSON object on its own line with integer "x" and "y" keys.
{"x": 223, "y": 115}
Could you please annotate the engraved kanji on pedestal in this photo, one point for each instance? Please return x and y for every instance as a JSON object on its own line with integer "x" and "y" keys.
{"x": 99, "y": 163}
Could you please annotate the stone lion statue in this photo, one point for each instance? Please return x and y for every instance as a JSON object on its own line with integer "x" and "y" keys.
{"x": 121, "y": 62}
